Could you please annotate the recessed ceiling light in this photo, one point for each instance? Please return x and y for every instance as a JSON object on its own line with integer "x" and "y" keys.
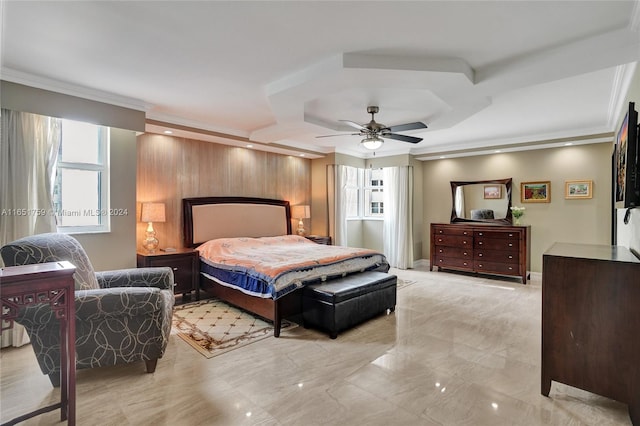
{"x": 301, "y": 155}
{"x": 568, "y": 144}
{"x": 168, "y": 132}
{"x": 497, "y": 151}
{"x": 249, "y": 146}
{"x": 442, "y": 156}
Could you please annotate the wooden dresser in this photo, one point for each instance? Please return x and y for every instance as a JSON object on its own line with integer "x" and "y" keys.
{"x": 482, "y": 248}
{"x": 591, "y": 321}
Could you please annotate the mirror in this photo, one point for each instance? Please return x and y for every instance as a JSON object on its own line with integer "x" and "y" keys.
{"x": 481, "y": 201}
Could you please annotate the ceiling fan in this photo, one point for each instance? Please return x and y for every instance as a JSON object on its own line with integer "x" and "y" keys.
{"x": 373, "y": 132}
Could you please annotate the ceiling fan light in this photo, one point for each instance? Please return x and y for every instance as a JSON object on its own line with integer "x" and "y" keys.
{"x": 372, "y": 143}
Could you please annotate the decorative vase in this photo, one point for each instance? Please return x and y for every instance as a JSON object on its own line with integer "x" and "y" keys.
{"x": 517, "y": 220}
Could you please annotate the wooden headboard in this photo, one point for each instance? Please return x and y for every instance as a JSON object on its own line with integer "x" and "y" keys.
{"x": 207, "y": 218}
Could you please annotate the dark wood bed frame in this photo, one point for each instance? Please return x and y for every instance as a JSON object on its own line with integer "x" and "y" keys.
{"x": 272, "y": 310}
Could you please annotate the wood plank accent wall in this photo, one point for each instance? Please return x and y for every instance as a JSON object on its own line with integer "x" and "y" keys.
{"x": 171, "y": 168}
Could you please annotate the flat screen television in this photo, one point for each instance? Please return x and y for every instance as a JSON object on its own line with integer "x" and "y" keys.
{"x": 627, "y": 165}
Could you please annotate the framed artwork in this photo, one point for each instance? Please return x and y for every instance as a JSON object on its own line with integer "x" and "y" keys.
{"x": 535, "y": 192}
{"x": 492, "y": 192}
{"x": 578, "y": 189}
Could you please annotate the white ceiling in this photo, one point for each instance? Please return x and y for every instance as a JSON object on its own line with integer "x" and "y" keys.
{"x": 482, "y": 75}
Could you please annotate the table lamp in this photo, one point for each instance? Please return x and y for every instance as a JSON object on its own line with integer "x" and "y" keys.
{"x": 152, "y": 212}
{"x": 301, "y": 212}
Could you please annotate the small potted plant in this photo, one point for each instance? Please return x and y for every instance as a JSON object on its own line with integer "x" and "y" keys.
{"x": 517, "y": 213}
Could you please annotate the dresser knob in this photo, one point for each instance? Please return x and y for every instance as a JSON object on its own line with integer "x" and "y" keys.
{"x": 480, "y": 265}
{"x": 479, "y": 254}
{"x": 175, "y": 269}
{"x": 510, "y": 244}
{"x": 465, "y": 263}
{"x": 441, "y": 250}
{"x": 480, "y": 243}
{"x": 510, "y": 257}
{"x": 480, "y": 233}
{"x": 511, "y": 235}
{"x": 510, "y": 268}
{"x": 465, "y": 254}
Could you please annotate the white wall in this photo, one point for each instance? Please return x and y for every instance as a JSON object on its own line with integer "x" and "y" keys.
{"x": 117, "y": 249}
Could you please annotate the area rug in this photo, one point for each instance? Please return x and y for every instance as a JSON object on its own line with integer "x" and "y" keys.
{"x": 213, "y": 327}
{"x": 404, "y": 283}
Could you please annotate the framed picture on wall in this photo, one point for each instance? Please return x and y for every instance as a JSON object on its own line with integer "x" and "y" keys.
{"x": 535, "y": 192}
{"x": 578, "y": 189}
{"x": 492, "y": 192}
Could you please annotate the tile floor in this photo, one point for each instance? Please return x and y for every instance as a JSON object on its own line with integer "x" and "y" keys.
{"x": 459, "y": 350}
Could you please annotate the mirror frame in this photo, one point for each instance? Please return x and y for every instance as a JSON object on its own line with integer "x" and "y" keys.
{"x": 506, "y": 182}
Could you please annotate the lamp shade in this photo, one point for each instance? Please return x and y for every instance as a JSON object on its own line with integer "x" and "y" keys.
{"x": 152, "y": 212}
{"x": 372, "y": 143}
{"x": 301, "y": 212}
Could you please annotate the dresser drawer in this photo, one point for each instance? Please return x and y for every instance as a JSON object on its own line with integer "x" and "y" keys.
{"x": 452, "y": 230}
{"x": 453, "y": 241}
{"x": 182, "y": 272}
{"x": 459, "y": 253}
{"x": 496, "y": 267}
{"x": 497, "y": 256}
{"x": 504, "y": 235}
{"x": 495, "y": 244}
{"x": 455, "y": 263}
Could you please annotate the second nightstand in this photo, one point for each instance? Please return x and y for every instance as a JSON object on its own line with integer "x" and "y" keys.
{"x": 184, "y": 263}
{"x": 320, "y": 239}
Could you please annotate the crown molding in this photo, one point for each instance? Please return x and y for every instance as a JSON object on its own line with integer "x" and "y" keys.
{"x": 45, "y": 83}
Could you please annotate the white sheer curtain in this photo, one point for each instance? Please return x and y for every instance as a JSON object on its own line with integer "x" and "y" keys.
{"x": 337, "y": 197}
{"x": 459, "y": 202}
{"x": 28, "y": 151}
{"x": 398, "y": 216}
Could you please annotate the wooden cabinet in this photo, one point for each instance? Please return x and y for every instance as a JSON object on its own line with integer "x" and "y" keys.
{"x": 183, "y": 262}
{"x": 591, "y": 321}
{"x": 481, "y": 248}
{"x": 50, "y": 283}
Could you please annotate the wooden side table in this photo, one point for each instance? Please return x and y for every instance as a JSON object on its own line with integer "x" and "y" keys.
{"x": 319, "y": 239}
{"x": 51, "y": 283}
{"x": 184, "y": 263}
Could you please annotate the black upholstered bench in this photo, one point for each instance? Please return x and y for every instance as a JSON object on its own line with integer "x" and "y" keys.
{"x": 339, "y": 304}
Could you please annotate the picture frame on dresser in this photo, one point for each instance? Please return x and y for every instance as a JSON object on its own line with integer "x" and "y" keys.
{"x": 535, "y": 192}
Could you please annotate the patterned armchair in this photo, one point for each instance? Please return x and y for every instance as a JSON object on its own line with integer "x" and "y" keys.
{"x": 121, "y": 316}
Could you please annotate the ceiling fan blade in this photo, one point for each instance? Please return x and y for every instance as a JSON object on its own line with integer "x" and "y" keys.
{"x": 339, "y": 134}
{"x": 408, "y": 126}
{"x": 402, "y": 138}
{"x": 354, "y": 124}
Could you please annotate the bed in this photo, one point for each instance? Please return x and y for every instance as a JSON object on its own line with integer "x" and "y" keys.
{"x": 262, "y": 282}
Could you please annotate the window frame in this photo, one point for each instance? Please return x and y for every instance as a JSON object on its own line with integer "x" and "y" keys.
{"x": 366, "y": 186}
{"x": 102, "y": 167}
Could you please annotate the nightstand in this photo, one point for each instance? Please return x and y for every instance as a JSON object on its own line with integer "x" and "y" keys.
{"x": 184, "y": 263}
{"x": 319, "y": 239}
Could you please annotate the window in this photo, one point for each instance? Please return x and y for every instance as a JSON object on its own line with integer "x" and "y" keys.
{"x": 80, "y": 192}
{"x": 353, "y": 189}
{"x": 373, "y": 193}
{"x": 364, "y": 193}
